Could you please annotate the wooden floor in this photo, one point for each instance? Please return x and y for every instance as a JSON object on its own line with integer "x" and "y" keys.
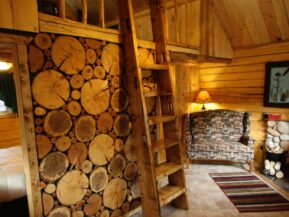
{"x": 205, "y": 197}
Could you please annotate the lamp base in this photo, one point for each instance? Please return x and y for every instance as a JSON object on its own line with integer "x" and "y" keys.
{"x": 204, "y": 108}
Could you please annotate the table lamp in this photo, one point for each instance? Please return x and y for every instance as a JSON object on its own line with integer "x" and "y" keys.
{"x": 203, "y": 98}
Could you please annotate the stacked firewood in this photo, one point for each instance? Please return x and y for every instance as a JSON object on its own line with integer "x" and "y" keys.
{"x": 87, "y": 159}
{"x": 273, "y": 168}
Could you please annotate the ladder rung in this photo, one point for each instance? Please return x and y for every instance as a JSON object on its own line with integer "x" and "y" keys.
{"x": 155, "y": 66}
{"x": 160, "y": 119}
{"x": 166, "y": 169}
{"x": 161, "y": 144}
{"x": 169, "y": 193}
{"x": 155, "y": 93}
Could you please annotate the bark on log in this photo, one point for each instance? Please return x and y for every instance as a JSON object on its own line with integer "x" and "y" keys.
{"x": 72, "y": 187}
{"x": 74, "y": 108}
{"x": 68, "y": 54}
{"x": 115, "y": 193}
{"x": 95, "y": 96}
{"x": 57, "y": 123}
{"x": 85, "y": 128}
{"x": 36, "y": 58}
{"x": 101, "y": 149}
{"x": 44, "y": 145}
{"x": 119, "y": 100}
{"x": 112, "y": 59}
{"x": 116, "y": 165}
{"x": 99, "y": 72}
{"x": 90, "y": 56}
{"x": 105, "y": 122}
{"x": 48, "y": 203}
{"x": 77, "y": 153}
{"x": 75, "y": 94}
{"x": 122, "y": 125}
{"x": 98, "y": 179}
{"x": 130, "y": 171}
{"x": 130, "y": 149}
{"x": 87, "y": 72}
{"x": 50, "y": 89}
{"x": 93, "y": 205}
{"x": 53, "y": 166}
{"x": 76, "y": 81}
{"x": 43, "y": 41}
{"x": 63, "y": 143}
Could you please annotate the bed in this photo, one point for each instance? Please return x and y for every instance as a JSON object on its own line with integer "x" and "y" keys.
{"x": 12, "y": 178}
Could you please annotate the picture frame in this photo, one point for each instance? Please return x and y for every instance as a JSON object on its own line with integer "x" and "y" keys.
{"x": 276, "y": 89}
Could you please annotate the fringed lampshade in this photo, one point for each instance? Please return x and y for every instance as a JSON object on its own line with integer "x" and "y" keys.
{"x": 203, "y": 98}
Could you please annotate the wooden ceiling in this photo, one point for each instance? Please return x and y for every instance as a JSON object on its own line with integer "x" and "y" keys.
{"x": 254, "y": 22}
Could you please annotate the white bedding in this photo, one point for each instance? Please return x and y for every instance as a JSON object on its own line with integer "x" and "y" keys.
{"x": 12, "y": 178}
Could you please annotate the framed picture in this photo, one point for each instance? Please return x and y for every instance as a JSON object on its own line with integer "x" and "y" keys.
{"x": 276, "y": 91}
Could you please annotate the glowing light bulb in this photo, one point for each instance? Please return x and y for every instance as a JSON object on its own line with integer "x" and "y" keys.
{"x": 4, "y": 65}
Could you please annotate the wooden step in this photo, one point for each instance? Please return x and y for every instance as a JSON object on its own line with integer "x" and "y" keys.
{"x": 162, "y": 144}
{"x": 168, "y": 193}
{"x": 155, "y": 93}
{"x": 155, "y": 66}
{"x": 166, "y": 169}
{"x": 160, "y": 119}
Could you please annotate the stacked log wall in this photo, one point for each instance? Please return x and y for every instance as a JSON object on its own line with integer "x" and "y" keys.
{"x": 87, "y": 161}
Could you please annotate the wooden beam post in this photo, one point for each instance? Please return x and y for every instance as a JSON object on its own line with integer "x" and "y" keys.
{"x": 62, "y": 9}
{"x": 101, "y": 14}
{"x": 84, "y": 11}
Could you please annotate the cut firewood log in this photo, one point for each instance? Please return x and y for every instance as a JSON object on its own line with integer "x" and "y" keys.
{"x": 118, "y": 145}
{"x": 116, "y": 165}
{"x": 77, "y": 153}
{"x": 74, "y": 108}
{"x": 50, "y": 188}
{"x": 130, "y": 149}
{"x": 48, "y": 203}
{"x": 90, "y": 56}
{"x": 119, "y": 100}
{"x": 130, "y": 171}
{"x": 116, "y": 213}
{"x": 145, "y": 56}
{"x": 63, "y": 143}
{"x": 98, "y": 179}
{"x": 57, "y": 123}
{"x": 122, "y": 125}
{"x": 95, "y": 96}
{"x": 43, "y": 41}
{"x": 112, "y": 59}
{"x": 92, "y": 43}
{"x": 53, "y": 166}
{"x": 105, "y": 122}
{"x": 146, "y": 73}
{"x": 39, "y": 111}
{"x": 44, "y": 145}
{"x": 36, "y": 58}
{"x": 78, "y": 213}
{"x": 93, "y": 205}
{"x": 115, "y": 193}
{"x": 104, "y": 213}
{"x": 76, "y": 81}
{"x": 87, "y": 72}
{"x": 125, "y": 207}
{"x": 150, "y": 104}
{"x": 115, "y": 82}
{"x": 68, "y": 54}
{"x": 60, "y": 212}
{"x": 72, "y": 187}
{"x": 101, "y": 149}
{"x": 99, "y": 72}
{"x": 85, "y": 128}
{"x": 50, "y": 89}
{"x": 75, "y": 94}
{"x": 86, "y": 166}
{"x": 135, "y": 189}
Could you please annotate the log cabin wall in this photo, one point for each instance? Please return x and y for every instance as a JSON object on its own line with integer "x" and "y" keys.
{"x": 81, "y": 115}
{"x": 240, "y": 86}
{"x": 9, "y": 131}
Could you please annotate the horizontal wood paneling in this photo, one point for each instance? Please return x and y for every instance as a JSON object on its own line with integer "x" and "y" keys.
{"x": 240, "y": 86}
{"x": 9, "y": 132}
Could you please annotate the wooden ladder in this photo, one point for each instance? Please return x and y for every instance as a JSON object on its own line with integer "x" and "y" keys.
{"x": 168, "y": 143}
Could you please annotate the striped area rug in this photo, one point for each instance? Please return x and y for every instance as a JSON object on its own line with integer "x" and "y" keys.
{"x": 248, "y": 193}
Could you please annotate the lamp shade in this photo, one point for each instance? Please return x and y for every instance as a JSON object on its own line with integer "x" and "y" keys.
{"x": 203, "y": 97}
